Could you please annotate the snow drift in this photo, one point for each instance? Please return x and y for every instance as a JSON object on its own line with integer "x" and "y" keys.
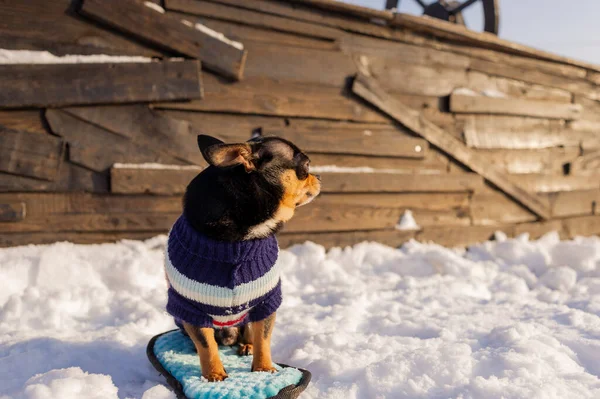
{"x": 511, "y": 318}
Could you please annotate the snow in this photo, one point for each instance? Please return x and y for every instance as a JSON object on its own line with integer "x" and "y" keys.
{"x": 45, "y": 57}
{"x": 152, "y": 165}
{"x": 213, "y": 33}
{"x": 511, "y": 318}
{"x": 154, "y": 6}
{"x": 407, "y": 222}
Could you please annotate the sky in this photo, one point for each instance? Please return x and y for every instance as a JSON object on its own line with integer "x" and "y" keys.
{"x": 567, "y": 28}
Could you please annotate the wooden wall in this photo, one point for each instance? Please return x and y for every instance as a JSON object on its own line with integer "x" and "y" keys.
{"x": 70, "y": 154}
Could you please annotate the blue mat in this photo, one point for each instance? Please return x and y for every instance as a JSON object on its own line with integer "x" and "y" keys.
{"x": 173, "y": 355}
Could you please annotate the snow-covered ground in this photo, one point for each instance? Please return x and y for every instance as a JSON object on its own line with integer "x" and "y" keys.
{"x": 507, "y": 319}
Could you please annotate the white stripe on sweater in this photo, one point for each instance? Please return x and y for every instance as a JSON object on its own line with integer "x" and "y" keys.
{"x": 221, "y": 296}
{"x": 229, "y": 317}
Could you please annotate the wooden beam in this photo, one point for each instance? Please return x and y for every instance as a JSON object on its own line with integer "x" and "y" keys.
{"x": 473, "y": 104}
{"x": 30, "y": 154}
{"x": 146, "y": 127}
{"x": 458, "y": 236}
{"x": 572, "y": 203}
{"x": 391, "y": 143}
{"x": 399, "y": 183}
{"x": 217, "y": 53}
{"x": 254, "y": 18}
{"x": 461, "y": 34}
{"x": 391, "y": 237}
{"x": 350, "y": 9}
{"x": 142, "y": 179}
{"x": 427, "y": 202}
{"x": 543, "y": 183}
{"x": 12, "y": 211}
{"x": 369, "y": 89}
{"x": 70, "y": 84}
{"x": 269, "y": 97}
{"x": 586, "y": 164}
{"x": 432, "y": 163}
{"x": 24, "y": 120}
{"x": 96, "y": 148}
{"x": 542, "y": 161}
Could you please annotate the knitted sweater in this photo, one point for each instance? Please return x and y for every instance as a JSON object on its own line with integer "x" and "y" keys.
{"x": 218, "y": 283}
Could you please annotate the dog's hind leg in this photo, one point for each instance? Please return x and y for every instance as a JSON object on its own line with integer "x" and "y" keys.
{"x": 208, "y": 351}
{"x": 261, "y": 339}
{"x": 246, "y": 346}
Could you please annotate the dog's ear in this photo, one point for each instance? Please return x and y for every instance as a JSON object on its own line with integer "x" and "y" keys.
{"x": 222, "y": 155}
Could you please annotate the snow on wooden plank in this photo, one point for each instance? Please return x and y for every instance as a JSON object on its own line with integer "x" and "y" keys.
{"x": 151, "y": 179}
{"x": 370, "y": 90}
{"x": 71, "y": 84}
{"x": 254, "y": 18}
{"x": 216, "y": 52}
{"x": 475, "y": 104}
{"x": 543, "y": 183}
{"x": 30, "y": 154}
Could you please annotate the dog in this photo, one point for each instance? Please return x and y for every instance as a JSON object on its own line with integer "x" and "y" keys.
{"x": 221, "y": 254}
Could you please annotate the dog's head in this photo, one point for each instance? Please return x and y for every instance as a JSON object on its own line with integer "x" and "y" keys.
{"x": 249, "y": 189}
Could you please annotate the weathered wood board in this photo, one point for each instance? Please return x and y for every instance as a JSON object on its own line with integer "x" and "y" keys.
{"x": 249, "y": 17}
{"x": 30, "y": 154}
{"x": 147, "y": 127}
{"x": 168, "y": 32}
{"x": 470, "y": 104}
{"x": 98, "y": 149}
{"x": 137, "y": 179}
{"x": 71, "y": 84}
{"x": 369, "y": 89}
{"x": 12, "y": 211}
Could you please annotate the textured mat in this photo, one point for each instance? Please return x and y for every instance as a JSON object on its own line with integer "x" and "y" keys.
{"x": 173, "y": 355}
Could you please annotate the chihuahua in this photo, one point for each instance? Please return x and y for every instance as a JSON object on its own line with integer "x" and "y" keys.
{"x": 221, "y": 268}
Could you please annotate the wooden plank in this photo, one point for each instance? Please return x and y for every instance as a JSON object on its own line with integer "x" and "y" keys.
{"x": 12, "y": 211}
{"x": 71, "y": 178}
{"x": 571, "y": 203}
{"x": 15, "y": 239}
{"x": 472, "y": 104}
{"x": 541, "y": 183}
{"x": 218, "y": 54}
{"x": 391, "y": 143}
{"x": 430, "y": 164}
{"x": 303, "y": 12}
{"x": 404, "y": 53}
{"x": 533, "y": 75}
{"x": 391, "y": 182}
{"x": 248, "y": 17}
{"x": 23, "y": 120}
{"x": 493, "y": 208}
{"x": 424, "y": 80}
{"x": 350, "y": 9}
{"x": 393, "y": 238}
{"x": 30, "y": 154}
{"x": 582, "y": 226}
{"x": 40, "y": 204}
{"x": 301, "y": 65}
{"x": 414, "y": 201}
{"x": 75, "y": 36}
{"x": 96, "y": 148}
{"x": 137, "y": 179}
{"x": 538, "y": 229}
{"x": 68, "y": 84}
{"x": 542, "y": 161}
{"x": 461, "y": 34}
{"x": 586, "y": 164}
{"x": 249, "y": 34}
{"x": 368, "y": 89}
{"x": 147, "y": 127}
{"x": 94, "y": 223}
{"x": 494, "y": 85}
{"x": 458, "y": 236}
{"x": 268, "y": 97}
{"x": 508, "y": 132}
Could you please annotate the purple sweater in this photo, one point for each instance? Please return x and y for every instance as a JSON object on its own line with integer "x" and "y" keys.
{"x": 218, "y": 283}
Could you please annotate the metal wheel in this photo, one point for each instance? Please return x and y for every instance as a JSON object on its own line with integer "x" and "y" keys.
{"x": 451, "y": 10}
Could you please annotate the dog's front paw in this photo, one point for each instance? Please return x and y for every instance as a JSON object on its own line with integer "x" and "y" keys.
{"x": 215, "y": 376}
{"x": 245, "y": 349}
